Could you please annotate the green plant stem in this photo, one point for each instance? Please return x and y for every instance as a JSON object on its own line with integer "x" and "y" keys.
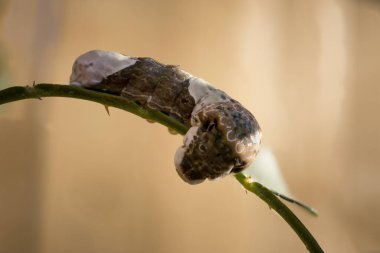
{"x": 39, "y": 91}
{"x": 275, "y": 204}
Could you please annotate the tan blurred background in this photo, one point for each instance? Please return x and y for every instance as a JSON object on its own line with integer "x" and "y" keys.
{"x": 73, "y": 179}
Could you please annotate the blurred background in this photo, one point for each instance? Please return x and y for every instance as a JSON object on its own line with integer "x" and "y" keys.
{"x": 73, "y": 179}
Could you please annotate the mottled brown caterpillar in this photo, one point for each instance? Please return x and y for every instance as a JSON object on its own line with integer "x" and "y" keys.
{"x": 223, "y": 138}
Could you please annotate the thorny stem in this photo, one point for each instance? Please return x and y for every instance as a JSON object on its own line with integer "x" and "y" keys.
{"x": 56, "y": 90}
{"x": 39, "y": 91}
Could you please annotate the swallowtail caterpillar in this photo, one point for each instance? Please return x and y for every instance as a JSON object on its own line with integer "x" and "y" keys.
{"x": 223, "y": 136}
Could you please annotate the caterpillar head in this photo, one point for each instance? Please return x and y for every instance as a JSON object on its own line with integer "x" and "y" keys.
{"x": 224, "y": 138}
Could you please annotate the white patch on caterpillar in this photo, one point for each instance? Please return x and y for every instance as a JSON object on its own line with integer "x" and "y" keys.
{"x": 204, "y": 94}
{"x": 189, "y": 137}
{"x": 92, "y": 67}
{"x": 256, "y": 138}
{"x": 198, "y": 88}
{"x": 178, "y": 157}
{"x": 186, "y": 142}
{"x": 180, "y": 153}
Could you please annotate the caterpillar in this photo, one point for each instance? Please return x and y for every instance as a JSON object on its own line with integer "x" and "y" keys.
{"x": 223, "y": 136}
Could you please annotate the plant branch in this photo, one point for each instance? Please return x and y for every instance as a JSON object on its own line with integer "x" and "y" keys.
{"x": 55, "y": 90}
{"x": 39, "y": 91}
{"x": 275, "y": 204}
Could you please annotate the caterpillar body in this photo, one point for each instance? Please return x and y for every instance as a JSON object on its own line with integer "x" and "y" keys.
{"x": 223, "y": 136}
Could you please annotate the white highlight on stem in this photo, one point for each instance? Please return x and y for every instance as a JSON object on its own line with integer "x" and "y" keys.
{"x": 267, "y": 172}
{"x": 92, "y": 67}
